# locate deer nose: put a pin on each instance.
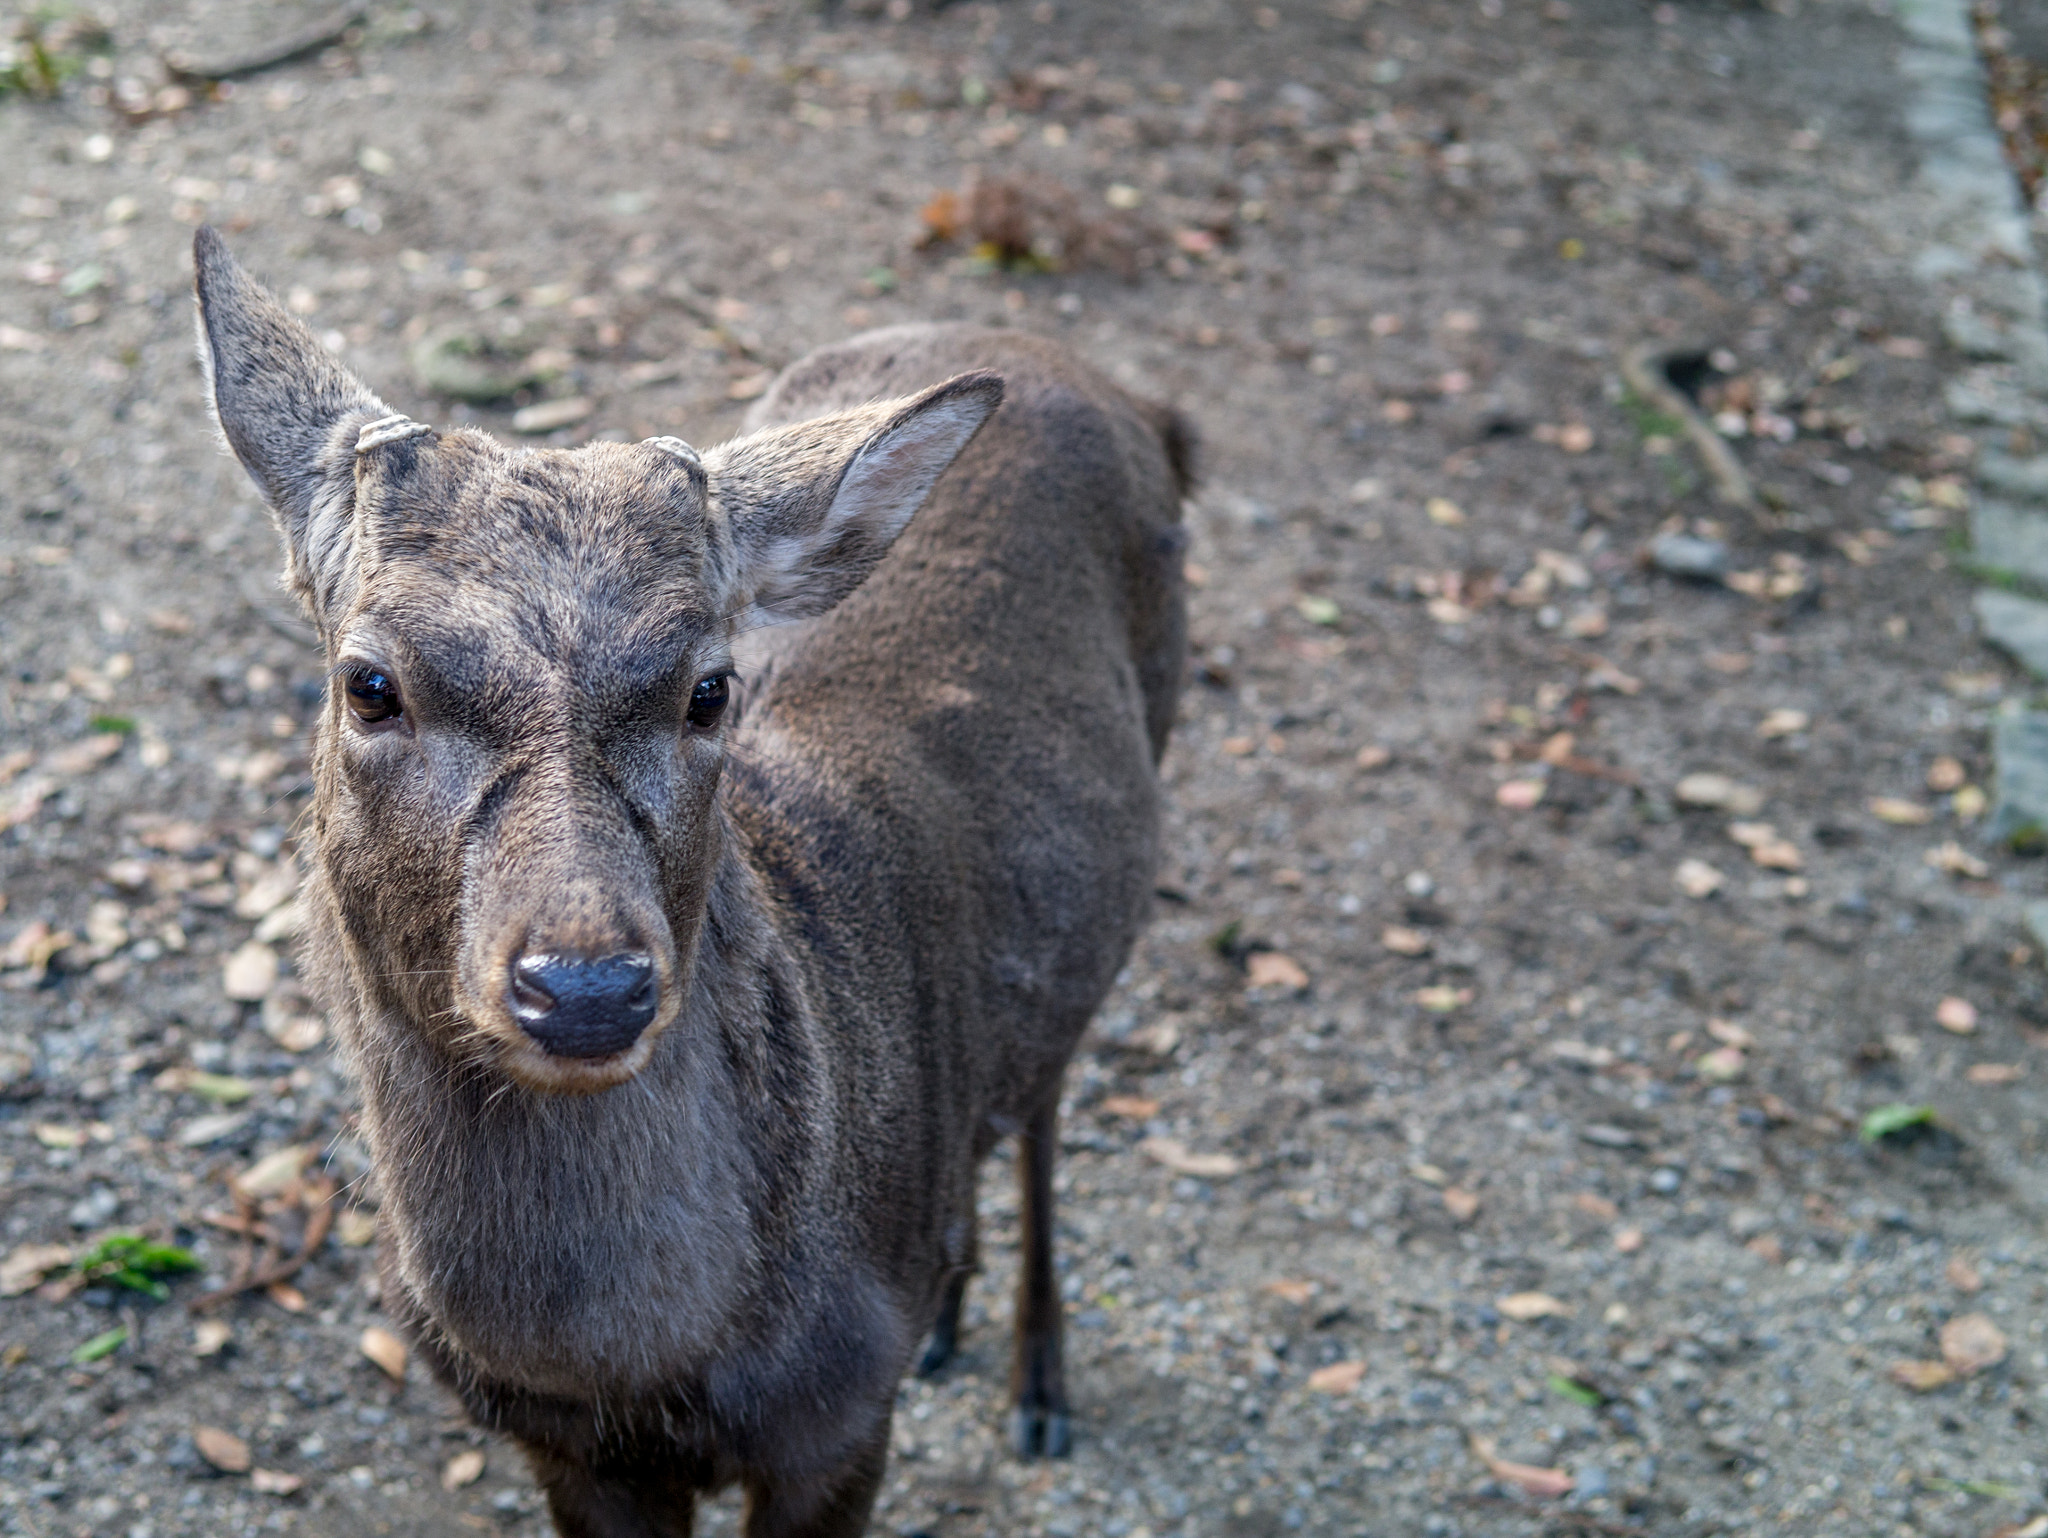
(584, 1007)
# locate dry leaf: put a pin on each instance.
(1729, 1034)
(1461, 1204)
(276, 1482)
(1337, 1378)
(1957, 861)
(386, 1350)
(1963, 1276)
(1587, 1056)
(81, 756)
(1272, 969)
(274, 1171)
(1970, 1343)
(942, 216)
(36, 945)
(1524, 1306)
(286, 1297)
(1996, 1073)
(296, 1030)
(250, 972)
(1722, 1065)
(1589, 624)
(1922, 1377)
(465, 1468)
(1536, 1481)
(267, 893)
(1136, 1107)
(354, 1227)
(1776, 854)
(1159, 1038)
(1957, 1015)
(1291, 1290)
(1403, 941)
(1899, 811)
(28, 1264)
(1176, 1156)
(1697, 879)
(223, 1449)
(1443, 998)
(1783, 723)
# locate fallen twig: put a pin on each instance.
(249, 1277)
(236, 1224)
(1642, 369)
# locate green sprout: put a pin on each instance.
(1890, 1120)
(131, 1261)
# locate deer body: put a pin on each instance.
(680, 1035)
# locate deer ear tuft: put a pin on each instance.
(675, 448)
(374, 435)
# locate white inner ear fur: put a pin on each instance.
(892, 475)
(887, 482)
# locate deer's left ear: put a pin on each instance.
(811, 508)
(294, 416)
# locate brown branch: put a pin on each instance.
(320, 1204)
(1642, 369)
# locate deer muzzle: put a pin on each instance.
(583, 1007)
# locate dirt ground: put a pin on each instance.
(1436, 1121)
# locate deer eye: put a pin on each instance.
(708, 701)
(372, 696)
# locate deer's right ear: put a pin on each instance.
(291, 414)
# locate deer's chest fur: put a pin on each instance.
(661, 1254)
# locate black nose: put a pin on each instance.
(583, 1008)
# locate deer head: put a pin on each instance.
(530, 656)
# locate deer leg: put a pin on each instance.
(589, 1503)
(833, 1506)
(1038, 1384)
(945, 1336)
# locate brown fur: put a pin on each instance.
(882, 900)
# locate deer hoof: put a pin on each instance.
(938, 1351)
(1036, 1432)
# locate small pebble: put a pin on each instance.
(1685, 555)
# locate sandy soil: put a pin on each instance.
(1563, 1159)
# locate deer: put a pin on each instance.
(711, 857)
